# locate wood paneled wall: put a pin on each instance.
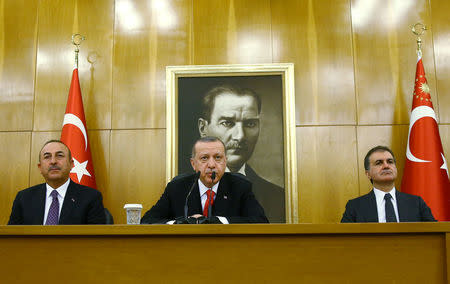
(354, 73)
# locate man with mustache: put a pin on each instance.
(384, 203)
(58, 201)
(227, 196)
(233, 115)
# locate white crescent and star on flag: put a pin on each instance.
(417, 114)
(70, 118)
(79, 168)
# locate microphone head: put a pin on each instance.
(213, 175)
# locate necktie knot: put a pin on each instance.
(54, 194)
(210, 193)
(387, 196)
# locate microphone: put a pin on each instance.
(196, 177)
(213, 177)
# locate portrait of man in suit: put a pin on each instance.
(233, 114)
(246, 113)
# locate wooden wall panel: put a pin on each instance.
(385, 58)
(444, 131)
(393, 136)
(149, 35)
(100, 149)
(316, 36)
(230, 32)
(58, 20)
(15, 161)
(18, 32)
(327, 172)
(137, 172)
(440, 27)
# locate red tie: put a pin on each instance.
(210, 199)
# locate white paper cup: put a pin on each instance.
(133, 213)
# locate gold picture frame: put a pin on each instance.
(275, 150)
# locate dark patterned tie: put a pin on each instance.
(210, 199)
(389, 208)
(53, 212)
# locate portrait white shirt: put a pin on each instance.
(49, 199)
(379, 196)
(241, 170)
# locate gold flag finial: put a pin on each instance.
(76, 40)
(419, 29)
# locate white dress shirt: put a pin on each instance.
(49, 199)
(379, 196)
(203, 197)
(203, 189)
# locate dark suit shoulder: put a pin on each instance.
(407, 196)
(83, 188)
(261, 182)
(237, 178)
(362, 198)
(32, 189)
(412, 208)
(183, 176)
(180, 181)
(361, 209)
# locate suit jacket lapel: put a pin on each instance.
(38, 204)
(402, 207)
(372, 207)
(220, 205)
(69, 202)
(194, 202)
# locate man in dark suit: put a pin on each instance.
(384, 203)
(232, 114)
(227, 196)
(58, 201)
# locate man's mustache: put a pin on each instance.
(54, 168)
(237, 145)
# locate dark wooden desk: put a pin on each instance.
(303, 253)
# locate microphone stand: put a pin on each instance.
(196, 177)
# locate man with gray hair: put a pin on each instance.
(233, 115)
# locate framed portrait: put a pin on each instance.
(251, 108)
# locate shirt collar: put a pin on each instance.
(61, 190)
(241, 170)
(203, 187)
(379, 194)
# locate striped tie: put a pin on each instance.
(53, 212)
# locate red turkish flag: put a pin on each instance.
(74, 135)
(426, 171)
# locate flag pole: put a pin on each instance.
(77, 39)
(419, 29)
